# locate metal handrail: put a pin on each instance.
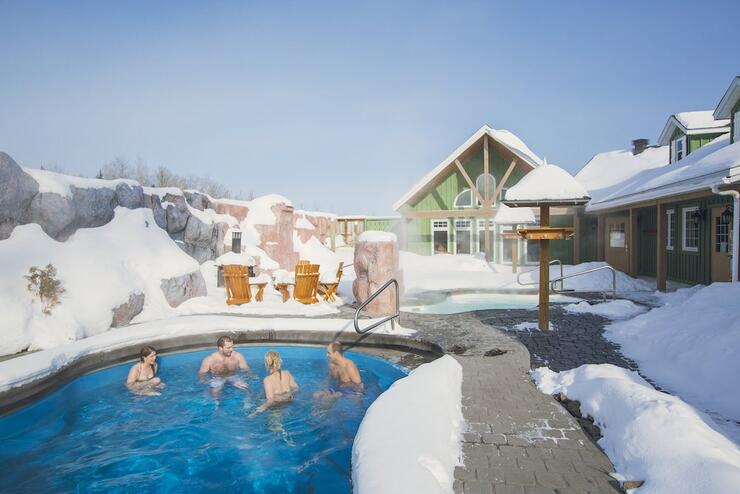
(370, 299)
(572, 275)
(554, 261)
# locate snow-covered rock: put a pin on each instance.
(376, 262)
(124, 313)
(178, 289)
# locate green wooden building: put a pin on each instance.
(453, 208)
(669, 211)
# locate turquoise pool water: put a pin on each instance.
(95, 436)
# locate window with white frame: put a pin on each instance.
(736, 127)
(440, 236)
(690, 230)
(670, 221)
(464, 199)
(502, 194)
(463, 236)
(678, 148)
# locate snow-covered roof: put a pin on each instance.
(609, 169)
(731, 96)
(514, 216)
(699, 170)
(692, 122)
(547, 184)
(504, 137)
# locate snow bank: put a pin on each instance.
(649, 435)
(30, 366)
(547, 183)
(596, 281)
(691, 346)
(59, 183)
(614, 309)
(462, 271)
(234, 258)
(99, 268)
(410, 438)
(318, 253)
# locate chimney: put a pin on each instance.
(639, 145)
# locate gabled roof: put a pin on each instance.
(507, 139)
(705, 167)
(692, 122)
(732, 95)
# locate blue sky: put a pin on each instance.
(343, 106)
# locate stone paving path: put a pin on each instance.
(519, 439)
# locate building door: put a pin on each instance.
(721, 248)
(616, 243)
(463, 236)
(440, 236)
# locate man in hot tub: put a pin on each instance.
(343, 373)
(223, 365)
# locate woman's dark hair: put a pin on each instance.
(146, 351)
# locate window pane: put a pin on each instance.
(462, 241)
(440, 242)
(533, 250)
(616, 235)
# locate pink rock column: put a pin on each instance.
(376, 262)
(277, 240)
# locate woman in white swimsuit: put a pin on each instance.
(142, 378)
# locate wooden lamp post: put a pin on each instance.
(545, 187)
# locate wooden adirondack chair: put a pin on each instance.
(329, 290)
(236, 281)
(306, 283)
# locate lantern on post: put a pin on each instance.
(544, 187)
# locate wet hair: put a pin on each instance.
(273, 361)
(146, 351)
(223, 340)
(336, 346)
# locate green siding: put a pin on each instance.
(562, 249)
(442, 197)
(697, 141)
(588, 233)
(647, 241)
(735, 110)
(693, 267)
(383, 224)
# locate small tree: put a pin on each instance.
(44, 285)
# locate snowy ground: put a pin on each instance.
(691, 347)
(649, 435)
(451, 272)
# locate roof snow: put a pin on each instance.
(547, 183)
(513, 216)
(506, 138)
(692, 122)
(605, 170)
(699, 170)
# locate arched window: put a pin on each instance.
(464, 199)
(480, 184)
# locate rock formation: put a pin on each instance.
(376, 262)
